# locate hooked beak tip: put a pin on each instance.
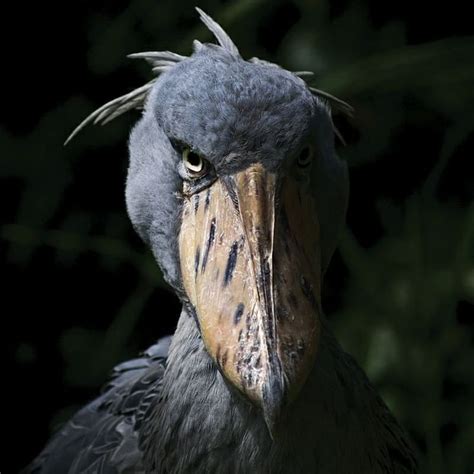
(273, 402)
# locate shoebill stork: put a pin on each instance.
(235, 186)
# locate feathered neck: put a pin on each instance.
(338, 423)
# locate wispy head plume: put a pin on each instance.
(162, 61)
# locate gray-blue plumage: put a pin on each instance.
(175, 411)
(103, 436)
(191, 421)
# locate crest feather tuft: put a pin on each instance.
(221, 36)
(162, 61)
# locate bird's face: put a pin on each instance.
(221, 185)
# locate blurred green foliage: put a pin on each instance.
(398, 310)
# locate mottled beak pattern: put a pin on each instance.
(250, 261)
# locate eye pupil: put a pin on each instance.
(304, 154)
(305, 157)
(194, 159)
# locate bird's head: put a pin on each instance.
(234, 184)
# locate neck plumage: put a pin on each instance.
(337, 424)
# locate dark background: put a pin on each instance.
(80, 292)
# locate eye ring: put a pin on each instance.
(305, 157)
(194, 163)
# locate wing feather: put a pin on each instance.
(103, 437)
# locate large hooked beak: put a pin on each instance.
(251, 269)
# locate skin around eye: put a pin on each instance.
(306, 156)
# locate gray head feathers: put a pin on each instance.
(162, 61)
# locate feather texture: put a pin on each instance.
(178, 416)
(103, 437)
(113, 109)
(221, 36)
(163, 61)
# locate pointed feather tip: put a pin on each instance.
(206, 19)
(70, 137)
(219, 33)
(202, 13)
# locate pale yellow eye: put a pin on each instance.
(193, 162)
(306, 156)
